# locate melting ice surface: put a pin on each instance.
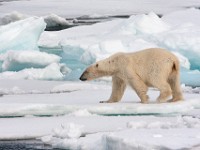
(75, 48)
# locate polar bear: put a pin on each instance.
(154, 67)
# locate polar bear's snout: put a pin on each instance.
(89, 74)
(84, 76)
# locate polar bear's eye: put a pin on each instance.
(97, 65)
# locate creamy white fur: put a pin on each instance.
(153, 67)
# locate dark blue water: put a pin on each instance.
(25, 145)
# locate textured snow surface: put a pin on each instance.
(50, 72)
(68, 115)
(72, 8)
(77, 119)
(18, 60)
(81, 46)
(50, 19)
(21, 35)
(55, 104)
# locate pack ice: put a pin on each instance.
(81, 46)
(69, 115)
(20, 56)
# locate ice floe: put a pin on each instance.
(81, 46)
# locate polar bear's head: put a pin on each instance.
(106, 67)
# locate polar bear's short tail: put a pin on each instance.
(174, 81)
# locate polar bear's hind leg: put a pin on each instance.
(174, 82)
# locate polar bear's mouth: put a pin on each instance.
(82, 78)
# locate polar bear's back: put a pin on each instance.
(153, 53)
(152, 63)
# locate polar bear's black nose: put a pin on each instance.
(83, 78)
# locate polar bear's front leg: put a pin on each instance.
(118, 88)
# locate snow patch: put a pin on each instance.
(177, 18)
(69, 131)
(152, 139)
(150, 136)
(50, 72)
(53, 20)
(81, 46)
(138, 32)
(65, 137)
(103, 109)
(18, 60)
(188, 89)
(21, 35)
(12, 17)
(14, 90)
(81, 113)
(182, 122)
(69, 87)
(144, 24)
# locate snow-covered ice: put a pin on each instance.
(18, 60)
(74, 8)
(81, 46)
(21, 35)
(12, 17)
(67, 114)
(55, 20)
(51, 20)
(77, 122)
(129, 35)
(50, 72)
